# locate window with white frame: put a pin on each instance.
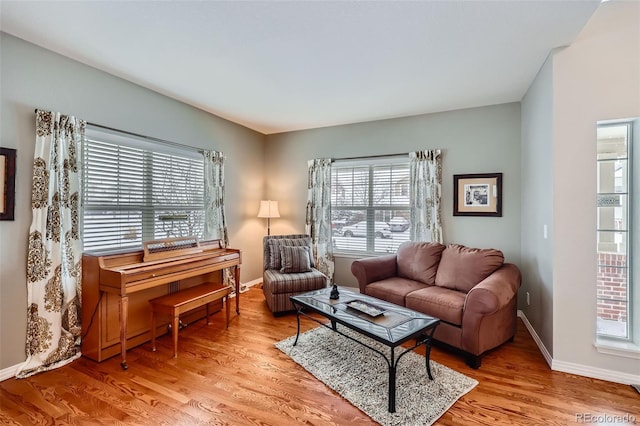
(616, 217)
(136, 189)
(370, 204)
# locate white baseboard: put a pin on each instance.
(252, 283)
(596, 373)
(536, 338)
(578, 369)
(9, 372)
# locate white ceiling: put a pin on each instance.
(290, 65)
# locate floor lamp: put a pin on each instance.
(268, 209)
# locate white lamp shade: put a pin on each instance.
(268, 208)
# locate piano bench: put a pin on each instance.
(185, 300)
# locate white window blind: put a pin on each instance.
(370, 204)
(134, 190)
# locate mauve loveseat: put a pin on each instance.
(471, 290)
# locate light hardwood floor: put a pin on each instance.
(238, 377)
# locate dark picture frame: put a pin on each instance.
(477, 194)
(7, 183)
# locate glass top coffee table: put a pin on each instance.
(384, 322)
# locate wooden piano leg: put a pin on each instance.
(124, 316)
(153, 330)
(226, 306)
(174, 332)
(236, 270)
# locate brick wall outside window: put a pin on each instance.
(612, 287)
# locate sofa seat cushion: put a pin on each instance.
(438, 302)
(277, 282)
(461, 268)
(393, 289)
(419, 261)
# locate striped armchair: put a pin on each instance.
(289, 269)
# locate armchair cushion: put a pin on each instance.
(461, 268)
(295, 259)
(274, 260)
(275, 282)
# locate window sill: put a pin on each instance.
(361, 255)
(358, 255)
(614, 347)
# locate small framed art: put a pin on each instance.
(477, 194)
(7, 183)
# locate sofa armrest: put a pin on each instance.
(374, 269)
(489, 315)
(495, 291)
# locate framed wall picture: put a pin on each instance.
(477, 194)
(7, 183)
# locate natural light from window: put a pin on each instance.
(136, 190)
(370, 205)
(613, 225)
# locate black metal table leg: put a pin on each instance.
(298, 331)
(428, 362)
(427, 355)
(392, 384)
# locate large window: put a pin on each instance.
(370, 205)
(135, 189)
(614, 229)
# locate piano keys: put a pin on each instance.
(116, 289)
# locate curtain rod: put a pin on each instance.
(164, 141)
(371, 156)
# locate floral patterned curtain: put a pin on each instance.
(318, 221)
(215, 222)
(54, 273)
(425, 195)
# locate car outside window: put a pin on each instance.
(370, 205)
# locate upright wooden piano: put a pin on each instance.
(116, 289)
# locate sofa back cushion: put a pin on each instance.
(418, 261)
(461, 268)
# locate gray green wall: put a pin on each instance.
(477, 140)
(537, 205)
(32, 77)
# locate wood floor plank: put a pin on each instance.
(236, 376)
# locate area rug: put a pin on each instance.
(361, 376)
